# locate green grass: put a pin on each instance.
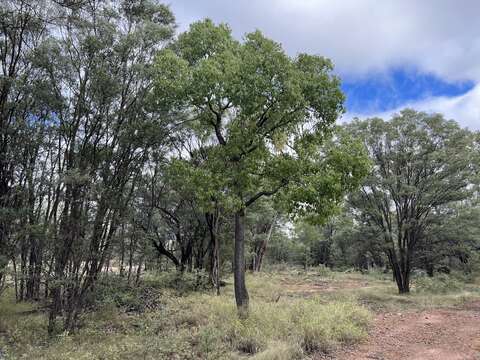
(158, 320)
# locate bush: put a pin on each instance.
(147, 294)
(321, 327)
(195, 326)
(440, 284)
(323, 271)
(117, 291)
(280, 351)
(306, 324)
(182, 282)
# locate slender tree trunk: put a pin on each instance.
(430, 268)
(140, 262)
(122, 252)
(213, 223)
(263, 247)
(216, 265)
(23, 270)
(241, 294)
(130, 256)
(139, 270)
(15, 278)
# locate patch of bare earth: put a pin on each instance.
(443, 334)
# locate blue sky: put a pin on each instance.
(390, 54)
(396, 87)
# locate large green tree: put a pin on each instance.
(421, 163)
(263, 118)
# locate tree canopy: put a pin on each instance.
(265, 121)
(421, 163)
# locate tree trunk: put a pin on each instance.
(122, 253)
(430, 269)
(241, 294)
(213, 224)
(258, 260)
(216, 265)
(401, 271)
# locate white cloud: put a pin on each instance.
(464, 109)
(441, 37)
(437, 36)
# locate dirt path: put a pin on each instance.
(444, 334)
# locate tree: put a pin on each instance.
(24, 113)
(264, 117)
(452, 239)
(421, 162)
(95, 66)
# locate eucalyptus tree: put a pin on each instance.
(265, 116)
(98, 61)
(452, 239)
(421, 163)
(24, 112)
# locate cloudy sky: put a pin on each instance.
(390, 54)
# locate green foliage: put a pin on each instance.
(439, 284)
(260, 117)
(118, 292)
(182, 282)
(147, 294)
(422, 164)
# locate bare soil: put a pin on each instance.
(440, 334)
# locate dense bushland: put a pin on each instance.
(140, 169)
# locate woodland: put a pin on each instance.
(192, 195)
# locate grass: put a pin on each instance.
(291, 317)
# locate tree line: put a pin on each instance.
(125, 148)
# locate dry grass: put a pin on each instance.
(283, 323)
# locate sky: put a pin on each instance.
(390, 54)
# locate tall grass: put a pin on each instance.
(188, 324)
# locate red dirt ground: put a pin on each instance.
(442, 334)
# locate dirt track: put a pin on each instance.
(446, 334)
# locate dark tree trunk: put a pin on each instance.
(162, 250)
(401, 271)
(216, 265)
(241, 294)
(430, 269)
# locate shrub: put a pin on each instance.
(147, 294)
(182, 282)
(277, 350)
(117, 291)
(440, 284)
(306, 324)
(321, 326)
(323, 271)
